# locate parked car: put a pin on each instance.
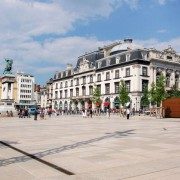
(32, 111)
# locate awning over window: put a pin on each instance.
(106, 104)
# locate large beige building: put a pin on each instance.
(137, 66)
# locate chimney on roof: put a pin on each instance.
(128, 40)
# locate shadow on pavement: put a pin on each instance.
(39, 155)
(7, 142)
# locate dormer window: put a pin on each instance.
(169, 57)
(99, 64)
(117, 60)
(108, 62)
(127, 57)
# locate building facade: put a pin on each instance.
(137, 66)
(37, 94)
(25, 90)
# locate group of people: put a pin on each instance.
(23, 112)
(97, 112)
(9, 114)
(42, 113)
(87, 112)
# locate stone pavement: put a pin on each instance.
(100, 148)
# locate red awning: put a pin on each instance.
(106, 104)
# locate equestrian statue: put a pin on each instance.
(8, 68)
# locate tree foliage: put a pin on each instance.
(123, 93)
(96, 96)
(158, 92)
(152, 94)
(145, 98)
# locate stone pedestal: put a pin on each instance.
(7, 105)
(7, 101)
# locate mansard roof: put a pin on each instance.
(91, 57)
(115, 54)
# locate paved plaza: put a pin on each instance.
(101, 148)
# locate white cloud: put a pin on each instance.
(36, 18)
(34, 57)
(22, 20)
(160, 45)
(31, 18)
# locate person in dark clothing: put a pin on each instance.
(35, 114)
(90, 112)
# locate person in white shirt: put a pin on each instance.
(127, 113)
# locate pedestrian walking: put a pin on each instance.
(35, 114)
(127, 113)
(133, 111)
(83, 113)
(108, 112)
(90, 112)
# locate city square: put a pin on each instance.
(89, 90)
(142, 147)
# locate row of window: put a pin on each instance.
(25, 91)
(107, 89)
(26, 80)
(26, 86)
(24, 101)
(91, 80)
(168, 79)
(25, 96)
(121, 59)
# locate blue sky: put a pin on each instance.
(42, 36)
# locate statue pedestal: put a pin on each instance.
(7, 101)
(7, 105)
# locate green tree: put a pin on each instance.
(96, 96)
(123, 93)
(145, 98)
(160, 90)
(152, 94)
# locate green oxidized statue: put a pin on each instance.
(8, 67)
